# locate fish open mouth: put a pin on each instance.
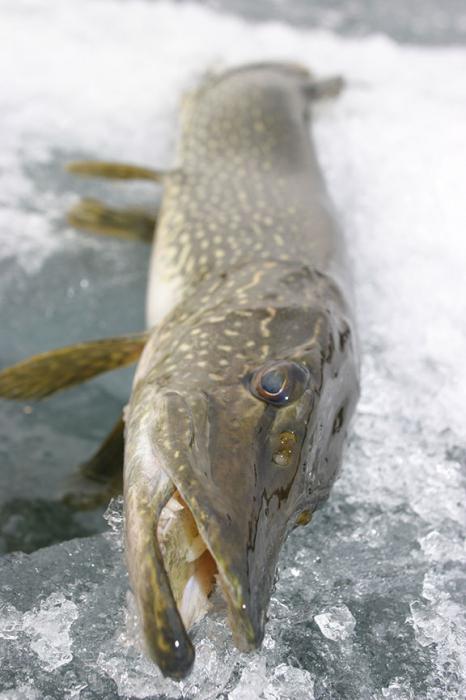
(190, 566)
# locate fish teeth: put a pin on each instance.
(174, 505)
(193, 605)
(196, 548)
(168, 515)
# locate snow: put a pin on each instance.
(384, 561)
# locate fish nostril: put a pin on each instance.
(287, 442)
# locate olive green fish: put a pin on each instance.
(248, 375)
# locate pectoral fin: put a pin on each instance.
(114, 171)
(44, 374)
(92, 215)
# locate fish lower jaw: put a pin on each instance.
(191, 569)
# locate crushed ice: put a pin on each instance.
(336, 622)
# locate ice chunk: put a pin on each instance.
(440, 548)
(429, 627)
(289, 683)
(336, 623)
(439, 617)
(10, 622)
(398, 690)
(49, 630)
(283, 682)
(251, 683)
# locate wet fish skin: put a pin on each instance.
(249, 268)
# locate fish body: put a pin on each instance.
(244, 391)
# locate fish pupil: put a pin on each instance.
(273, 381)
(278, 383)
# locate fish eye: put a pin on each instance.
(279, 383)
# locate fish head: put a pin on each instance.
(245, 421)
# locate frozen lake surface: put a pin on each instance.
(371, 600)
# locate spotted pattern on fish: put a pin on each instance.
(248, 270)
(231, 200)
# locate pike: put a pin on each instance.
(249, 373)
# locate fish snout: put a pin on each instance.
(220, 494)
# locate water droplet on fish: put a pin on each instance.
(282, 458)
(287, 442)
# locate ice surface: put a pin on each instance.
(390, 545)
